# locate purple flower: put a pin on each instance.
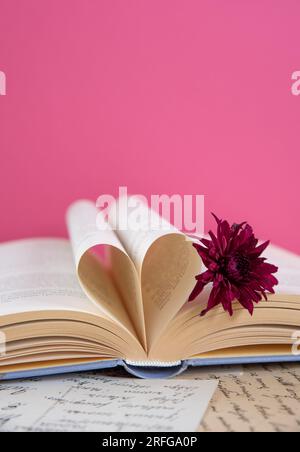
(235, 268)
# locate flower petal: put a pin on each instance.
(202, 280)
(256, 252)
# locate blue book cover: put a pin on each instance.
(146, 371)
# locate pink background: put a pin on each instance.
(173, 96)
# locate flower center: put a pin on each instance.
(237, 267)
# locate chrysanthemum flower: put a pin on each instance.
(234, 266)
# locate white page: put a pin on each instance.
(138, 227)
(82, 217)
(91, 402)
(39, 274)
(288, 265)
(282, 257)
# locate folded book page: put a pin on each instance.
(165, 260)
(117, 294)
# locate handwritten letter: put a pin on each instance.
(103, 404)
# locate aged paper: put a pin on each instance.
(257, 398)
(248, 399)
(92, 402)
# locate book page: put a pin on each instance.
(165, 259)
(273, 321)
(40, 296)
(92, 402)
(115, 288)
(138, 227)
(39, 274)
(288, 265)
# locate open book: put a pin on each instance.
(114, 296)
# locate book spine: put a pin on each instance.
(153, 363)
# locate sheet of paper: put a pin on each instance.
(91, 402)
(260, 398)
